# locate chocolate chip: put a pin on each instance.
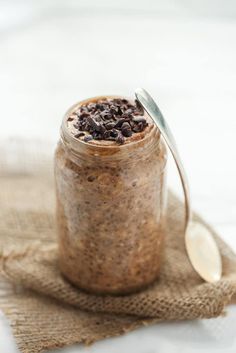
(99, 106)
(114, 133)
(97, 117)
(119, 122)
(88, 138)
(102, 129)
(132, 124)
(126, 117)
(139, 127)
(129, 111)
(70, 118)
(126, 129)
(110, 125)
(114, 109)
(127, 132)
(136, 128)
(120, 138)
(93, 123)
(130, 106)
(139, 119)
(106, 115)
(84, 115)
(80, 134)
(107, 134)
(125, 125)
(96, 135)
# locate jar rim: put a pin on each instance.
(68, 139)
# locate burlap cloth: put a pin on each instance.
(45, 311)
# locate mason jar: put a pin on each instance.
(110, 210)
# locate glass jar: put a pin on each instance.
(110, 211)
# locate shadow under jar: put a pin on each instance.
(110, 209)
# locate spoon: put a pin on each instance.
(201, 247)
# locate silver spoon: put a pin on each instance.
(201, 247)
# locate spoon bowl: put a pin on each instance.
(203, 252)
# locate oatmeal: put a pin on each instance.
(110, 183)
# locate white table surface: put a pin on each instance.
(54, 55)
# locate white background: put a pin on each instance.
(54, 53)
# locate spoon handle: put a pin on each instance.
(152, 109)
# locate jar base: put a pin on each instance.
(116, 291)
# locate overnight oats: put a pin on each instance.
(110, 170)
